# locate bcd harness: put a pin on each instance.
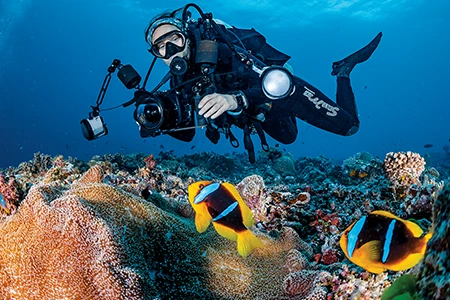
(248, 120)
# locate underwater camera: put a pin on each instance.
(156, 113)
(161, 112)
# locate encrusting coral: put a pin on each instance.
(95, 241)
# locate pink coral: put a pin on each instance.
(10, 194)
(150, 162)
(326, 222)
(252, 189)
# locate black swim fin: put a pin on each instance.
(343, 67)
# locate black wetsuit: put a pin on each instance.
(307, 102)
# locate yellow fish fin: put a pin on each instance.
(247, 214)
(385, 214)
(407, 263)
(428, 236)
(368, 257)
(246, 242)
(415, 229)
(375, 268)
(195, 188)
(202, 221)
(423, 241)
(225, 231)
(371, 251)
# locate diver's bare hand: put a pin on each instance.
(213, 105)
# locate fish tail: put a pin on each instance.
(425, 239)
(246, 242)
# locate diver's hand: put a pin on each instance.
(213, 105)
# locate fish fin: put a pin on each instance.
(202, 221)
(416, 230)
(202, 215)
(246, 242)
(385, 214)
(368, 257)
(225, 231)
(201, 209)
(423, 241)
(413, 227)
(407, 263)
(428, 236)
(247, 214)
(371, 250)
(195, 188)
(376, 269)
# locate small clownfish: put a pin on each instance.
(221, 204)
(381, 241)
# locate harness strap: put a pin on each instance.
(248, 144)
(261, 134)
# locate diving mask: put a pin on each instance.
(168, 44)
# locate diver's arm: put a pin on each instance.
(251, 88)
(255, 96)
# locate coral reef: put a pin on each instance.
(40, 163)
(125, 229)
(434, 281)
(95, 241)
(362, 165)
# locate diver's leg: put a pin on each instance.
(311, 105)
(343, 67)
(346, 99)
(314, 107)
(283, 130)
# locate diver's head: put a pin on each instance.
(166, 36)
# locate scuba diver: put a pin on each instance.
(222, 76)
(170, 37)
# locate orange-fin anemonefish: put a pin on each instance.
(381, 241)
(221, 204)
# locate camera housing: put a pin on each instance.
(162, 112)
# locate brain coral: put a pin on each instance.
(95, 241)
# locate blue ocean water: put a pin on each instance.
(55, 54)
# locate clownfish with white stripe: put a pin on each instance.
(382, 241)
(221, 204)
